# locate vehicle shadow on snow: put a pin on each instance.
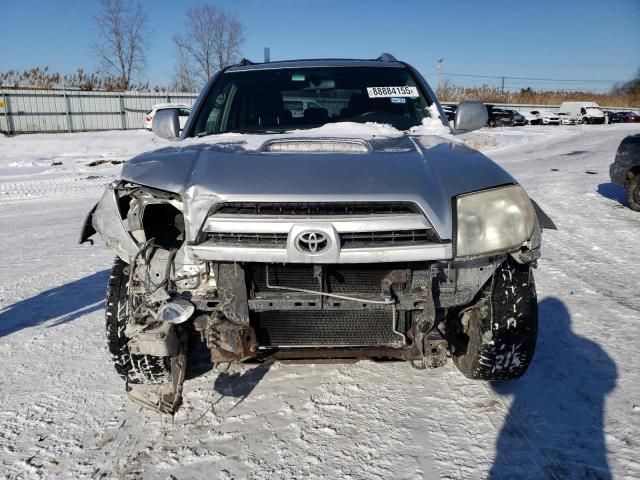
(61, 304)
(613, 192)
(239, 385)
(554, 428)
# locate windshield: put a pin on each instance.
(287, 99)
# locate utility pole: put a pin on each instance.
(502, 89)
(439, 68)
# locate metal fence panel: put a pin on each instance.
(35, 111)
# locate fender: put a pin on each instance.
(543, 219)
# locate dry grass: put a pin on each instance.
(447, 92)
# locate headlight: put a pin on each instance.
(493, 221)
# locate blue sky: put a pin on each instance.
(559, 39)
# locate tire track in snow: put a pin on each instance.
(51, 187)
(120, 446)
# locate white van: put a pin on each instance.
(587, 112)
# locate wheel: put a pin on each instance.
(495, 339)
(132, 368)
(633, 193)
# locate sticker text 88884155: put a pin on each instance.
(384, 92)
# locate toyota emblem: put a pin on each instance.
(312, 241)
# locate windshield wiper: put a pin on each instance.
(259, 132)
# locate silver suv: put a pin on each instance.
(358, 228)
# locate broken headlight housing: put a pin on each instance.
(493, 221)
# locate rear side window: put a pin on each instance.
(286, 99)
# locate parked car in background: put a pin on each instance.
(549, 118)
(450, 111)
(184, 112)
(517, 118)
(587, 112)
(297, 106)
(612, 117)
(625, 169)
(498, 116)
(630, 117)
(567, 118)
(533, 117)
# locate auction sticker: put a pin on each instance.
(385, 92)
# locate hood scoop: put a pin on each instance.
(317, 145)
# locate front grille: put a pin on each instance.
(361, 279)
(324, 328)
(347, 239)
(317, 209)
(228, 239)
(386, 239)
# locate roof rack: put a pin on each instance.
(386, 57)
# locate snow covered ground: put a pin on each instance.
(575, 414)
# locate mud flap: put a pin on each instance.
(166, 397)
(87, 227)
(543, 219)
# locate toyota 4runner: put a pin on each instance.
(357, 228)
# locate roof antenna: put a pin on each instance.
(267, 54)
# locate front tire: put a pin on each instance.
(633, 193)
(496, 338)
(134, 369)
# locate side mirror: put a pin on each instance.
(166, 123)
(470, 116)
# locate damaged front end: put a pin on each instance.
(278, 281)
(145, 228)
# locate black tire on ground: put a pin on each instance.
(132, 368)
(633, 193)
(500, 339)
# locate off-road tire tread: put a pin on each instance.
(634, 187)
(132, 368)
(502, 335)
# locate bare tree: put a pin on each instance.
(122, 51)
(212, 40)
(183, 80)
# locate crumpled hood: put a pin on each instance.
(429, 171)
